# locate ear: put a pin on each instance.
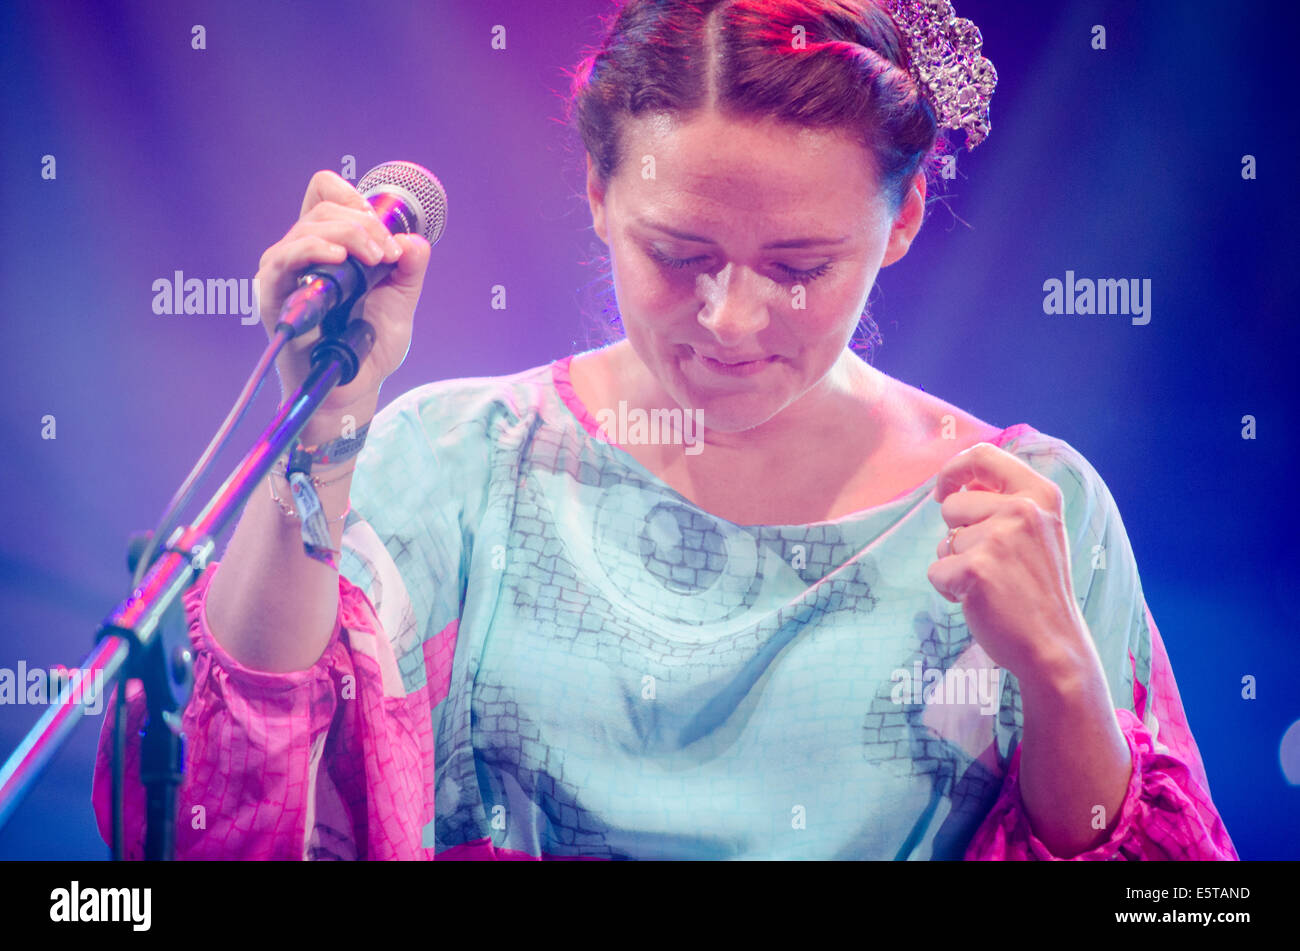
(596, 198)
(908, 222)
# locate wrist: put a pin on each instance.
(338, 431)
(1065, 685)
(333, 495)
(332, 420)
(322, 477)
(1063, 662)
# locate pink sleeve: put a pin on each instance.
(331, 762)
(1167, 812)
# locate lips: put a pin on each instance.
(734, 361)
(732, 366)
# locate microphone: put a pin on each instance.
(409, 199)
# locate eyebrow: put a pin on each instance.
(809, 242)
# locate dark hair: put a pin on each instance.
(826, 64)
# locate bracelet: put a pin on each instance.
(292, 514)
(281, 468)
(331, 453)
(316, 540)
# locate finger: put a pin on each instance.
(974, 505)
(985, 466)
(374, 243)
(413, 261)
(301, 250)
(283, 261)
(950, 578)
(961, 577)
(328, 186)
(968, 537)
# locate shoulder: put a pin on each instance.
(1056, 459)
(444, 436)
(929, 429)
(443, 406)
(1092, 517)
(1087, 499)
(914, 408)
(943, 423)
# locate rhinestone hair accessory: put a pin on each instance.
(944, 59)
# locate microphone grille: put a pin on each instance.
(419, 187)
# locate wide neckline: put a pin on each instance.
(563, 384)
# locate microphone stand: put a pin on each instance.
(146, 636)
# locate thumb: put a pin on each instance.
(410, 267)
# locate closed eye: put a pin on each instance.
(801, 277)
(674, 263)
(793, 275)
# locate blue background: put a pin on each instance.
(1117, 163)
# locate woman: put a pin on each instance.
(720, 589)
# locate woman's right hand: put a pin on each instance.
(336, 221)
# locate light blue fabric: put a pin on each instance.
(636, 678)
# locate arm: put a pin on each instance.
(1166, 811)
(1085, 778)
(1070, 800)
(317, 763)
(337, 758)
(268, 583)
(295, 708)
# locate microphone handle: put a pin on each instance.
(328, 288)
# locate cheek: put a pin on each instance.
(832, 305)
(645, 292)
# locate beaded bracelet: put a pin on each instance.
(281, 467)
(292, 514)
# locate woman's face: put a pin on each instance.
(743, 253)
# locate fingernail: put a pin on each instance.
(394, 247)
(374, 249)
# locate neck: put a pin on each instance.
(845, 407)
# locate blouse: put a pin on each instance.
(543, 651)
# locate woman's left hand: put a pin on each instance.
(1009, 566)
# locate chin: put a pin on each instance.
(733, 414)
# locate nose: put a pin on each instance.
(734, 307)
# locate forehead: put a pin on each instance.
(714, 168)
